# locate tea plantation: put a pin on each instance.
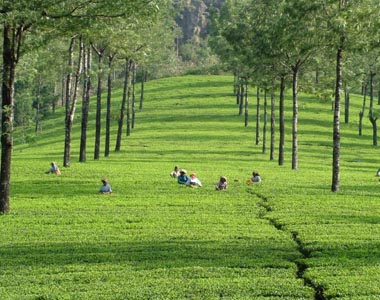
(288, 237)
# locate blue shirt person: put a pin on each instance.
(182, 178)
(106, 187)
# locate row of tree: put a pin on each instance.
(62, 48)
(273, 43)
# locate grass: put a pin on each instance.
(286, 238)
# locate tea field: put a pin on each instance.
(288, 237)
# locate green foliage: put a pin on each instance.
(155, 239)
(269, 38)
(23, 113)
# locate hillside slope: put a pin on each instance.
(286, 238)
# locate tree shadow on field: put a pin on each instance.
(182, 85)
(55, 187)
(265, 253)
(345, 253)
(185, 120)
(198, 96)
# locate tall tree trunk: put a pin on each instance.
(282, 121)
(372, 116)
(108, 113)
(265, 120)
(129, 119)
(361, 113)
(12, 38)
(246, 114)
(295, 118)
(258, 117)
(346, 106)
(272, 120)
(142, 89)
(238, 90)
(87, 60)
(98, 118)
(241, 94)
(123, 104)
(236, 85)
(71, 99)
(68, 117)
(336, 124)
(134, 71)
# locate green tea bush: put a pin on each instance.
(286, 238)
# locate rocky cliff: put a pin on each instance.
(193, 19)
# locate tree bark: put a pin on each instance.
(98, 118)
(123, 104)
(143, 80)
(361, 113)
(336, 123)
(129, 119)
(11, 42)
(85, 104)
(272, 121)
(72, 98)
(238, 90)
(346, 106)
(295, 70)
(68, 123)
(258, 117)
(134, 70)
(108, 113)
(246, 114)
(281, 148)
(241, 98)
(372, 117)
(236, 86)
(265, 120)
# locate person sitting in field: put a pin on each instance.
(175, 172)
(106, 187)
(222, 184)
(255, 178)
(53, 169)
(193, 181)
(182, 178)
